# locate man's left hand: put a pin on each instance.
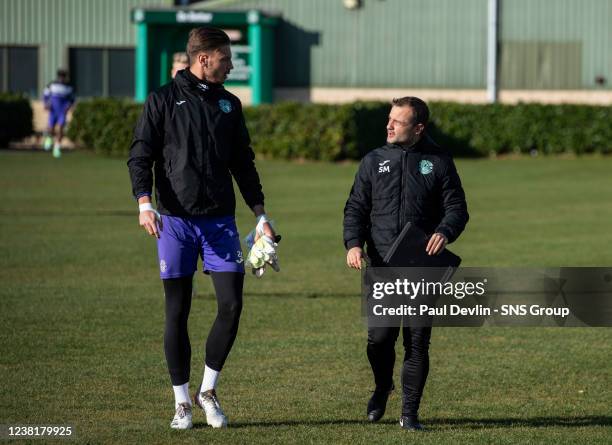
(436, 244)
(263, 227)
(267, 230)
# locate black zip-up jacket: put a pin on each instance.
(396, 185)
(193, 135)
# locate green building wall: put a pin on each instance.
(440, 44)
(55, 25)
(556, 44)
(383, 44)
(543, 44)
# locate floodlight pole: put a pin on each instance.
(492, 34)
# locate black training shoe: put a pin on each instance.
(411, 424)
(378, 404)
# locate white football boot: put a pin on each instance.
(57, 150)
(48, 143)
(209, 403)
(182, 418)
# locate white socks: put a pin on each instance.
(181, 394)
(210, 379)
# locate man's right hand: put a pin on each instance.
(354, 257)
(149, 219)
(150, 222)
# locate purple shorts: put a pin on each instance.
(57, 117)
(183, 239)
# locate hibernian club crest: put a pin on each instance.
(225, 105)
(425, 167)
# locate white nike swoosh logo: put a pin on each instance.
(181, 102)
(383, 163)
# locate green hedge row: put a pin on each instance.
(317, 131)
(104, 125)
(348, 131)
(15, 118)
(498, 129)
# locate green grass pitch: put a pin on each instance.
(82, 313)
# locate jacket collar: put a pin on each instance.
(186, 79)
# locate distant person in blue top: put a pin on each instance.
(58, 98)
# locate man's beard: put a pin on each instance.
(410, 141)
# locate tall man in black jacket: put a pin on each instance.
(408, 180)
(192, 138)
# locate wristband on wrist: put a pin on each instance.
(148, 207)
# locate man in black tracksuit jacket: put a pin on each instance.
(408, 180)
(192, 139)
(195, 148)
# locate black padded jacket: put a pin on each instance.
(395, 185)
(193, 136)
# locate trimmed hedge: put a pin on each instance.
(348, 131)
(317, 131)
(104, 125)
(497, 129)
(15, 118)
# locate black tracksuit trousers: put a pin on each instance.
(381, 354)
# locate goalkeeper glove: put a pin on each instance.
(263, 251)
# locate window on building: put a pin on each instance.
(19, 70)
(102, 71)
(86, 71)
(121, 72)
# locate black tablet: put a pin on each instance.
(408, 250)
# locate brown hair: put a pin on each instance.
(419, 107)
(205, 39)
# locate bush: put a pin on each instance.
(302, 131)
(483, 130)
(15, 118)
(104, 125)
(348, 131)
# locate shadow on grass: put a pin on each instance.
(530, 422)
(289, 294)
(441, 423)
(72, 213)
